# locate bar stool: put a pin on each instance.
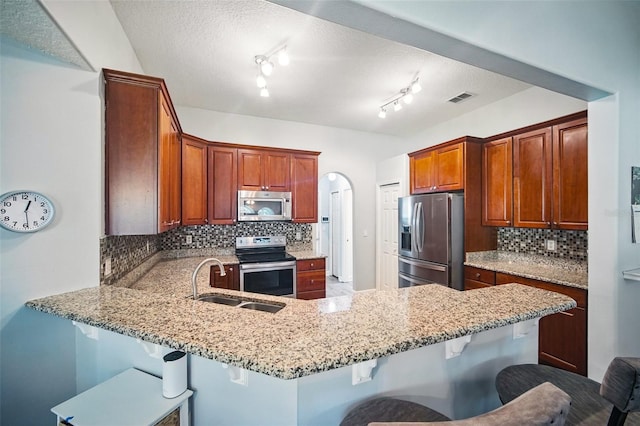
(543, 405)
(591, 402)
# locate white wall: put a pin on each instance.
(595, 44)
(351, 153)
(50, 141)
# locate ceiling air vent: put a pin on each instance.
(461, 97)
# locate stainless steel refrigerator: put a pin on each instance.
(431, 240)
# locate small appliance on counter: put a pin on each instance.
(262, 206)
(431, 239)
(265, 266)
(174, 374)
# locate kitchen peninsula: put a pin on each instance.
(313, 360)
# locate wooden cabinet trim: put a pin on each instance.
(541, 125)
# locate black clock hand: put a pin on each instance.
(28, 204)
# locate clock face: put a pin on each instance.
(25, 211)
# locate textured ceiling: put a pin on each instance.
(337, 76)
(27, 22)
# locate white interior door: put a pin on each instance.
(389, 214)
(347, 236)
(336, 241)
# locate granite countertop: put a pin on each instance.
(305, 337)
(306, 254)
(566, 272)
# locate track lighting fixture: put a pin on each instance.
(265, 67)
(405, 94)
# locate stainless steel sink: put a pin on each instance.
(213, 298)
(260, 306)
(241, 303)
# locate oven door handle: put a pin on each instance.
(266, 266)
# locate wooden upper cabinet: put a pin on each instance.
(497, 194)
(570, 177)
(550, 177)
(142, 156)
(263, 170)
(304, 188)
(437, 169)
(222, 184)
(171, 164)
(532, 174)
(449, 167)
(194, 181)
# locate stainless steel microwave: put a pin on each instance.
(257, 206)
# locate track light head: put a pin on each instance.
(264, 92)
(382, 113)
(283, 57)
(261, 81)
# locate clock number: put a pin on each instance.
(15, 223)
(14, 198)
(6, 218)
(42, 218)
(25, 225)
(25, 196)
(45, 211)
(35, 223)
(3, 211)
(42, 204)
(7, 203)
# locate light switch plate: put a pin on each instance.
(551, 245)
(189, 239)
(107, 267)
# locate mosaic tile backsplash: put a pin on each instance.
(129, 251)
(569, 244)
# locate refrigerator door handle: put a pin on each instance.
(420, 226)
(423, 265)
(414, 235)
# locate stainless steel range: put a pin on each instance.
(265, 266)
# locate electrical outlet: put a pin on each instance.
(551, 245)
(298, 236)
(107, 267)
(189, 239)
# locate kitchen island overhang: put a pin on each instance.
(306, 337)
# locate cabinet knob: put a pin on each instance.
(477, 275)
(230, 269)
(311, 264)
(206, 221)
(508, 222)
(312, 281)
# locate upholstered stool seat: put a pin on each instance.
(591, 402)
(544, 405)
(390, 410)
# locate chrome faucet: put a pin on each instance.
(195, 273)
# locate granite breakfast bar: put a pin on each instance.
(312, 360)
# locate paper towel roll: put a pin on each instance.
(174, 374)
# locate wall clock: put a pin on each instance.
(25, 211)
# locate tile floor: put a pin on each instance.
(336, 288)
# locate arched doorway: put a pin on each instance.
(335, 236)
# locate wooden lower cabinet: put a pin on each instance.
(562, 338)
(478, 278)
(310, 279)
(230, 281)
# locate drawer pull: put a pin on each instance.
(477, 275)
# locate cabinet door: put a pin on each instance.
(250, 170)
(304, 188)
(532, 174)
(131, 156)
(449, 170)
(570, 177)
(230, 281)
(497, 178)
(165, 165)
(222, 185)
(176, 177)
(194, 182)
(421, 169)
(276, 171)
(562, 340)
